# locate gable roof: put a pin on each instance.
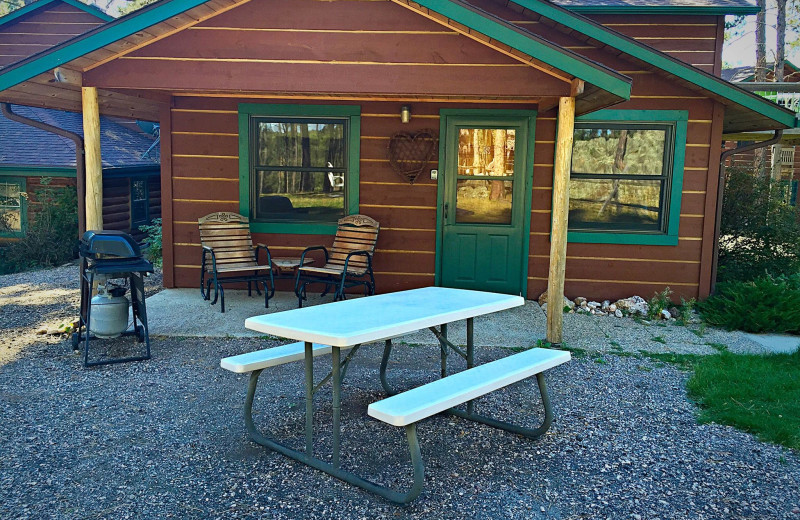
(41, 4)
(709, 7)
(744, 110)
(606, 86)
(122, 147)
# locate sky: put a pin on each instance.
(741, 50)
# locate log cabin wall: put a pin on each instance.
(204, 164)
(292, 52)
(603, 271)
(42, 29)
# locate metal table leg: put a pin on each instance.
(309, 362)
(337, 404)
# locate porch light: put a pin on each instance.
(405, 114)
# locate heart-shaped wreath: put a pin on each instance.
(409, 154)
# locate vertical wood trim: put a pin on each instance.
(94, 163)
(720, 41)
(167, 230)
(712, 187)
(558, 234)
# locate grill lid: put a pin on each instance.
(109, 244)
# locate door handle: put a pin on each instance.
(446, 205)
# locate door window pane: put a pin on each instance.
(486, 151)
(483, 201)
(609, 203)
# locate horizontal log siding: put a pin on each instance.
(204, 182)
(41, 30)
(696, 40)
(615, 271)
(342, 46)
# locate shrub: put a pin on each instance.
(154, 248)
(51, 238)
(660, 301)
(766, 304)
(760, 229)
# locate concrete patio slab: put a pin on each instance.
(777, 343)
(183, 313)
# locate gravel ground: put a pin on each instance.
(165, 438)
(43, 298)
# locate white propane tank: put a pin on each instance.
(109, 315)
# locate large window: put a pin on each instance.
(302, 166)
(626, 177)
(12, 206)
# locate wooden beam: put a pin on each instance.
(94, 164)
(560, 213)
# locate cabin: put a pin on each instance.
(31, 155)
(514, 146)
(31, 158)
(786, 168)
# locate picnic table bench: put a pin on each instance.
(331, 328)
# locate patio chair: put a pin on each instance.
(348, 263)
(229, 257)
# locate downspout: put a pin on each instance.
(721, 190)
(80, 170)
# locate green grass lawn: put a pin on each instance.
(757, 394)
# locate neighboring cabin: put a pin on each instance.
(28, 155)
(790, 158)
(286, 117)
(131, 186)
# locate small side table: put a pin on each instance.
(285, 268)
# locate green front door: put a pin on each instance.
(485, 207)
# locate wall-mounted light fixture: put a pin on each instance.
(405, 114)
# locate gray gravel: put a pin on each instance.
(42, 298)
(165, 438)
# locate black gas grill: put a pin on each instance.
(108, 257)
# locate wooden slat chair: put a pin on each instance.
(229, 256)
(348, 263)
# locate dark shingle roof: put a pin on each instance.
(23, 145)
(648, 4)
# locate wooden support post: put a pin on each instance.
(560, 213)
(94, 164)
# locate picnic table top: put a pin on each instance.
(362, 320)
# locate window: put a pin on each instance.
(140, 202)
(626, 177)
(12, 206)
(300, 173)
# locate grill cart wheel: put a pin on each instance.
(76, 341)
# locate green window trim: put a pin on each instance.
(352, 112)
(23, 207)
(680, 119)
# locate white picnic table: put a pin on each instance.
(346, 325)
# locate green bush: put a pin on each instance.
(154, 248)
(760, 229)
(766, 304)
(52, 236)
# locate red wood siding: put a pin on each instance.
(205, 178)
(42, 29)
(201, 153)
(696, 40)
(342, 46)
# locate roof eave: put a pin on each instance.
(663, 9)
(780, 116)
